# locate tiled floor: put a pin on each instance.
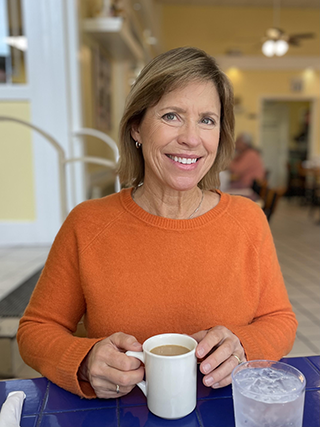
(297, 238)
(17, 263)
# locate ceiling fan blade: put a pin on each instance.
(302, 36)
(295, 39)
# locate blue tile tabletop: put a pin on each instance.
(106, 417)
(60, 400)
(311, 414)
(29, 421)
(308, 369)
(315, 360)
(47, 405)
(35, 390)
(216, 412)
(136, 416)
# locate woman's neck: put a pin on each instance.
(169, 204)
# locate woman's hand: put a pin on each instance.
(106, 366)
(218, 346)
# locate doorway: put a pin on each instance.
(285, 137)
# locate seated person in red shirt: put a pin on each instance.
(247, 164)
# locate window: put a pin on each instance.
(13, 43)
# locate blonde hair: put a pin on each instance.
(169, 71)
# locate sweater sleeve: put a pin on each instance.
(271, 333)
(45, 335)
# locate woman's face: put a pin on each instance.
(180, 136)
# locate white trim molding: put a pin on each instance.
(10, 92)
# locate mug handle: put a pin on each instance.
(139, 355)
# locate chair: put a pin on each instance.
(269, 196)
(271, 199)
(260, 186)
(295, 180)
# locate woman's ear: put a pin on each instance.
(135, 133)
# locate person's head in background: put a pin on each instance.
(167, 72)
(243, 142)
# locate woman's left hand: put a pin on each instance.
(218, 347)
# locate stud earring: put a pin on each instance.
(138, 144)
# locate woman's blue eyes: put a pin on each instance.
(208, 121)
(169, 116)
(173, 116)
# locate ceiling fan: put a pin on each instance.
(276, 41)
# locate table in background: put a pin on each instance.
(48, 405)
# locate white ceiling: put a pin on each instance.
(249, 3)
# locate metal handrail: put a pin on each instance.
(62, 160)
(109, 141)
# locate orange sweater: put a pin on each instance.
(127, 270)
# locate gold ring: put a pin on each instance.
(118, 389)
(237, 357)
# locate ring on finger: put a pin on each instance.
(237, 357)
(118, 389)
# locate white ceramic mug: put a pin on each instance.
(171, 381)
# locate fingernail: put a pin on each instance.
(208, 381)
(216, 385)
(200, 352)
(207, 367)
(136, 344)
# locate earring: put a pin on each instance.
(138, 144)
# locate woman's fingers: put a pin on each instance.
(125, 342)
(221, 376)
(216, 348)
(106, 387)
(125, 379)
(208, 340)
(107, 390)
(111, 373)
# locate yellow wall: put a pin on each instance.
(16, 165)
(251, 86)
(210, 28)
(217, 29)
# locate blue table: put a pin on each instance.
(48, 405)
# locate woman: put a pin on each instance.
(247, 165)
(170, 253)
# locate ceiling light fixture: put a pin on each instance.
(275, 47)
(276, 42)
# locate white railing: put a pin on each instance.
(62, 160)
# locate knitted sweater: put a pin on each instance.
(127, 270)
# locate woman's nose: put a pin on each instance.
(189, 134)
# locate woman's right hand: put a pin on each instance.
(106, 366)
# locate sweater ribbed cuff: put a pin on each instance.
(248, 341)
(67, 370)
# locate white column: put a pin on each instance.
(53, 90)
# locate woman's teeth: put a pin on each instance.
(183, 160)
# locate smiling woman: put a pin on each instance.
(175, 70)
(171, 253)
(179, 142)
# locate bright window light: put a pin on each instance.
(19, 42)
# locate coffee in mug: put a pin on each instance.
(171, 379)
(170, 350)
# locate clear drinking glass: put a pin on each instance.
(268, 394)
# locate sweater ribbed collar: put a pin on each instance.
(161, 222)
